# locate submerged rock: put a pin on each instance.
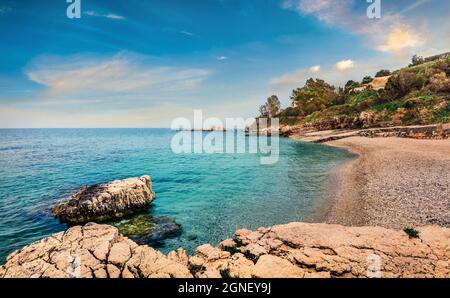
(107, 201)
(146, 229)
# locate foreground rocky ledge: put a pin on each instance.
(295, 250)
(107, 201)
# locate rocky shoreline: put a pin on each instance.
(396, 183)
(295, 250)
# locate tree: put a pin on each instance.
(383, 73)
(273, 105)
(350, 85)
(367, 80)
(316, 95)
(263, 111)
(417, 60)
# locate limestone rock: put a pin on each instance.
(296, 250)
(107, 201)
(227, 243)
(90, 251)
(179, 256)
(269, 266)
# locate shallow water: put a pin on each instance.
(210, 195)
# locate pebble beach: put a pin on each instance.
(394, 183)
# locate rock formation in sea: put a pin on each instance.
(296, 250)
(107, 201)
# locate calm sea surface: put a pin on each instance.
(210, 195)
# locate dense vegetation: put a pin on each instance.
(417, 94)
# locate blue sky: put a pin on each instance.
(143, 63)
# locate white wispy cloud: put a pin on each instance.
(186, 33)
(108, 77)
(221, 58)
(344, 65)
(104, 15)
(314, 69)
(290, 79)
(179, 31)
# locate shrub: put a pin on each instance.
(291, 112)
(443, 65)
(363, 96)
(238, 242)
(411, 233)
(443, 115)
(410, 117)
(403, 83)
(349, 86)
(367, 80)
(225, 273)
(231, 249)
(383, 73)
(439, 82)
(417, 60)
(390, 107)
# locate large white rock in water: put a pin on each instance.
(107, 201)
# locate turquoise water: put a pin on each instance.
(210, 195)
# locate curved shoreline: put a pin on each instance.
(394, 183)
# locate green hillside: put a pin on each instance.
(417, 94)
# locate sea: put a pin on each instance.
(209, 195)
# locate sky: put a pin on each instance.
(130, 63)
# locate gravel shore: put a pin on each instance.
(395, 183)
